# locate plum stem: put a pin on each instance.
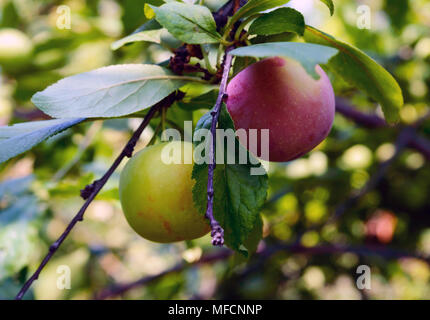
(217, 231)
(90, 192)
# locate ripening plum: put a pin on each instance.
(156, 197)
(279, 95)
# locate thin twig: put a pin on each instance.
(365, 251)
(402, 142)
(405, 136)
(422, 145)
(382, 251)
(91, 191)
(119, 289)
(373, 121)
(217, 231)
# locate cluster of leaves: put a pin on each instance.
(124, 90)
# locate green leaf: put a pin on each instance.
(238, 194)
(205, 101)
(198, 96)
(189, 23)
(279, 21)
(150, 32)
(108, 92)
(251, 243)
(309, 55)
(241, 63)
(280, 37)
(19, 138)
(358, 69)
(253, 7)
(330, 5)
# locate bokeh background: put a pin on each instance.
(39, 191)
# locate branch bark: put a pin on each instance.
(228, 9)
(91, 191)
(217, 231)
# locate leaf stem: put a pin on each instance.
(207, 61)
(243, 25)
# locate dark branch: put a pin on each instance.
(217, 231)
(122, 288)
(405, 136)
(364, 251)
(227, 10)
(403, 140)
(422, 145)
(382, 251)
(90, 192)
(373, 121)
(370, 121)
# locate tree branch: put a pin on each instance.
(403, 140)
(217, 231)
(119, 289)
(91, 191)
(405, 136)
(382, 251)
(364, 251)
(373, 121)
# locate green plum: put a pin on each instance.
(156, 196)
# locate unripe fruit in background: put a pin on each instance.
(16, 49)
(278, 94)
(157, 197)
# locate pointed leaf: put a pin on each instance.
(279, 21)
(330, 5)
(192, 24)
(108, 92)
(253, 7)
(150, 32)
(360, 70)
(21, 137)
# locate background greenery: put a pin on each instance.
(39, 190)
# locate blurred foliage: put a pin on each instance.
(39, 190)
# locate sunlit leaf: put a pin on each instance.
(150, 32)
(253, 7)
(192, 24)
(309, 55)
(108, 92)
(330, 5)
(279, 21)
(360, 70)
